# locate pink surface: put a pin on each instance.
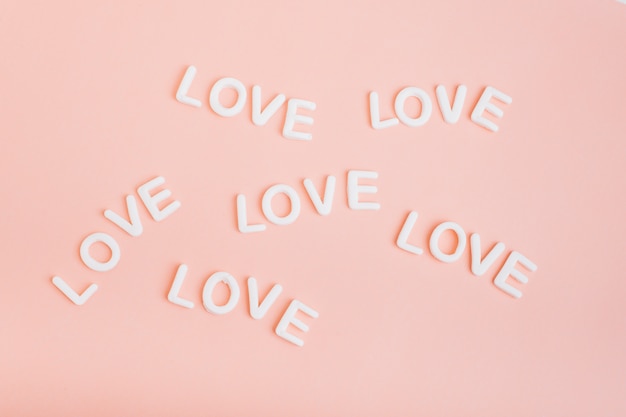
(89, 114)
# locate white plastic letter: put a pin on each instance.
(323, 207)
(209, 286)
(259, 116)
(90, 262)
(289, 317)
(258, 311)
(485, 105)
(172, 296)
(426, 111)
(451, 114)
(375, 114)
(508, 269)
(79, 300)
(354, 189)
(293, 199)
(214, 97)
(183, 88)
(242, 217)
(479, 267)
(152, 201)
(460, 246)
(405, 232)
(292, 118)
(132, 227)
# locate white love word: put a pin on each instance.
(260, 115)
(450, 112)
(257, 309)
(131, 225)
(479, 264)
(323, 205)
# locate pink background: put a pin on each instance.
(89, 114)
